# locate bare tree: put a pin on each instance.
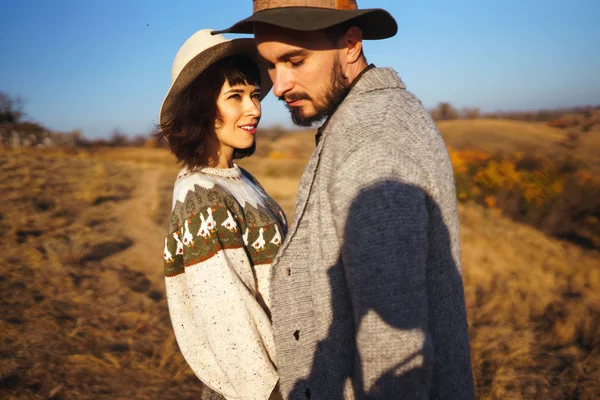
(11, 108)
(138, 140)
(444, 111)
(470, 113)
(118, 138)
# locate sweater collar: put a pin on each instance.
(360, 75)
(370, 78)
(354, 82)
(228, 173)
(377, 79)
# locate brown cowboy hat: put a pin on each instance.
(314, 15)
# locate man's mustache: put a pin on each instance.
(288, 98)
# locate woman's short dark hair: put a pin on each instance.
(191, 119)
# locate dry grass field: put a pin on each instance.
(83, 313)
(533, 305)
(496, 135)
(500, 135)
(83, 309)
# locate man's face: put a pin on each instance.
(306, 70)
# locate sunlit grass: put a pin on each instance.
(77, 325)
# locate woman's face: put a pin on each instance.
(239, 109)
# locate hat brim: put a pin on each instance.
(374, 23)
(197, 65)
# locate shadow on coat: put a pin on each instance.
(398, 311)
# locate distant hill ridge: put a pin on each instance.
(29, 134)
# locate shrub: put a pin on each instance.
(561, 123)
(444, 111)
(560, 197)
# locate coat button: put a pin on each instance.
(287, 272)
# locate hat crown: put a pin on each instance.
(196, 44)
(260, 5)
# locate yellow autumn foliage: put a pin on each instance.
(532, 189)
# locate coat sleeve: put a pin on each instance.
(382, 220)
(222, 331)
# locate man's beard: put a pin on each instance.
(337, 91)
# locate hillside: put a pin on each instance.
(84, 315)
(496, 135)
(533, 306)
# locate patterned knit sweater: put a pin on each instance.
(223, 234)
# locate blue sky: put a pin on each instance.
(98, 65)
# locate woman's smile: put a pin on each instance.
(250, 128)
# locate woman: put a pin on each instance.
(224, 229)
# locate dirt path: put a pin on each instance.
(136, 216)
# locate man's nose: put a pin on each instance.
(282, 81)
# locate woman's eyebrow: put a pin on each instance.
(234, 91)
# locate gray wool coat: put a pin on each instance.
(367, 294)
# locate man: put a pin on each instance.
(367, 295)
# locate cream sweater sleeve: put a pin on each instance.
(222, 331)
(221, 304)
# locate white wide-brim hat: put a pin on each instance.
(200, 51)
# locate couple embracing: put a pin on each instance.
(362, 295)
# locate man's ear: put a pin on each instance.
(353, 41)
